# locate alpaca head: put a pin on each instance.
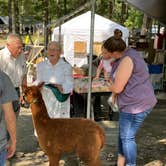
(32, 94)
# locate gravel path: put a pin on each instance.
(151, 142)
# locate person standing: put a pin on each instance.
(134, 92)
(57, 76)
(13, 63)
(7, 118)
(105, 64)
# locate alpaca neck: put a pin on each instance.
(39, 110)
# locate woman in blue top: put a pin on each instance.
(134, 95)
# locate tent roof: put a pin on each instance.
(81, 24)
(154, 8)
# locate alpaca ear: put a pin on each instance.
(24, 86)
(40, 85)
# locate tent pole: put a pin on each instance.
(89, 111)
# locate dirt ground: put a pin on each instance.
(151, 141)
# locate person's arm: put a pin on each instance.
(10, 120)
(98, 72)
(69, 80)
(39, 75)
(122, 75)
(24, 70)
(99, 69)
(24, 83)
(24, 80)
(106, 75)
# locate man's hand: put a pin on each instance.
(10, 120)
(21, 99)
(11, 148)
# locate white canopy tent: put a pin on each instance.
(78, 29)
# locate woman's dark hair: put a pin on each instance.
(118, 32)
(114, 43)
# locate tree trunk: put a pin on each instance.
(10, 15)
(65, 7)
(16, 17)
(123, 12)
(45, 2)
(13, 17)
(111, 7)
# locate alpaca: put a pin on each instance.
(58, 136)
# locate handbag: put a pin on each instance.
(113, 104)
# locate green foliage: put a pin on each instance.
(3, 7)
(102, 7)
(117, 12)
(134, 19)
(32, 11)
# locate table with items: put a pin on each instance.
(100, 93)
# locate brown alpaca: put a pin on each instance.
(58, 136)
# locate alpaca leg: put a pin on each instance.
(54, 160)
(90, 156)
(91, 160)
(96, 162)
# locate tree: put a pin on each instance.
(16, 21)
(45, 17)
(10, 14)
(13, 13)
(111, 6)
(3, 7)
(134, 19)
(65, 7)
(32, 11)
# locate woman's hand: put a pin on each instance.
(96, 78)
(60, 88)
(110, 81)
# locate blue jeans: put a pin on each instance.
(128, 127)
(3, 157)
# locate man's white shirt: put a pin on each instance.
(60, 73)
(15, 68)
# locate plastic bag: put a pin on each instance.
(112, 104)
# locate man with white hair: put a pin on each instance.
(12, 62)
(57, 76)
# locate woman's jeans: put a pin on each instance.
(3, 157)
(128, 127)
